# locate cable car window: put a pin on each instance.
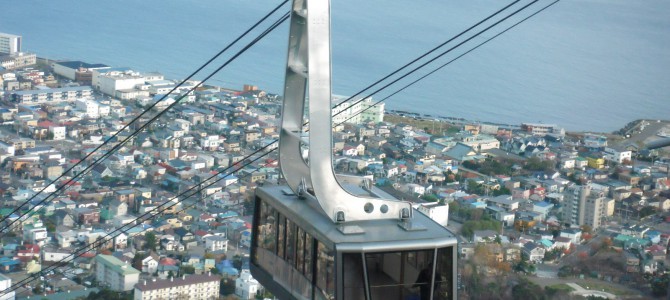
(353, 280)
(309, 252)
(300, 251)
(400, 275)
(290, 243)
(267, 236)
(444, 281)
(281, 231)
(325, 272)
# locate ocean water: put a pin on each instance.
(582, 64)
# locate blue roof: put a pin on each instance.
(56, 90)
(229, 214)
(75, 64)
(543, 204)
(9, 262)
(546, 243)
(226, 267)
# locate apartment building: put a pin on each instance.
(585, 206)
(193, 287)
(356, 111)
(40, 96)
(114, 273)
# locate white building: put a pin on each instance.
(5, 284)
(108, 81)
(69, 69)
(617, 155)
(246, 287)
(35, 233)
(438, 212)
(149, 265)
(56, 255)
(9, 43)
(193, 287)
(115, 274)
(89, 107)
(56, 95)
(59, 132)
(216, 243)
(356, 111)
(210, 142)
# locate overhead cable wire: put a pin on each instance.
(452, 60)
(429, 52)
(120, 144)
(440, 55)
(136, 222)
(268, 145)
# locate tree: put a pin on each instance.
(150, 239)
(137, 260)
(186, 269)
(525, 289)
(237, 262)
(429, 197)
(647, 211)
(659, 285)
(227, 286)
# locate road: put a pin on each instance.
(648, 134)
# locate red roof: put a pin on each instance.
(655, 248)
(34, 248)
(166, 261)
(45, 124)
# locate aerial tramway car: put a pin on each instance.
(327, 236)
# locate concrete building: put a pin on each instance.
(197, 286)
(542, 129)
(116, 274)
(5, 284)
(68, 94)
(246, 287)
(108, 81)
(616, 154)
(18, 60)
(58, 132)
(358, 113)
(89, 107)
(438, 212)
(69, 69)
(216, 243)
(10, 44)
(585, 206)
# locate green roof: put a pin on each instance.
(116, 265)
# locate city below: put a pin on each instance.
(92, 209)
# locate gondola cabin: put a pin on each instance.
(312, 238)
(299, 253)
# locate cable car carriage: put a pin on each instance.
(327, 236)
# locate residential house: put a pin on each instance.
(216, 243)
(150, 263)
(534, 252)
(246, 287)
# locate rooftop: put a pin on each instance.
(116, 265)
(174, 282)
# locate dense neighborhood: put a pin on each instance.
(166, 213)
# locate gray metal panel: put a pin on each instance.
(380, 234)
(309, 67)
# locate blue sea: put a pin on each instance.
(582, 64)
